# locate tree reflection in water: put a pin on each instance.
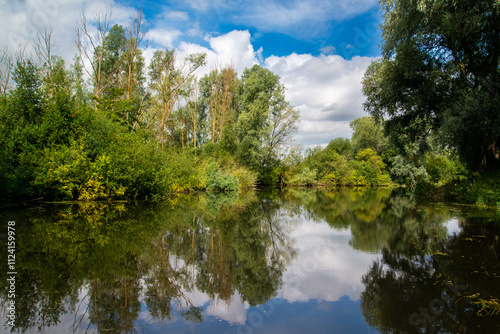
(114, 257)
(436, 284)
(104, 263)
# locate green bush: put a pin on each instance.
(218, 181)
(369, 169)
(405, 172)
(482, 190)
(305, 177)
(246, 178)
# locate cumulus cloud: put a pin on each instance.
(163, 37)
(233, 48)
(326, 89)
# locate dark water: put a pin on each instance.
(300, 261)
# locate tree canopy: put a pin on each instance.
(439, 75)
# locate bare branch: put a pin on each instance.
(90, 47)
(43, 49)
(6, 65)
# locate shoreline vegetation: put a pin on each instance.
(108, 126)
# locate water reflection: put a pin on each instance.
(453, 289)
(254, 260)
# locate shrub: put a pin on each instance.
(304, 177)
(246, 178)
(217, 181)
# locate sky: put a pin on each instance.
(319, 48)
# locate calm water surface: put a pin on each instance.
(298, 261)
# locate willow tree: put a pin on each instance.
(439, 74)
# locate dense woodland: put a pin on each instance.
(110, 126)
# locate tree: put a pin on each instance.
(266, 121)
(170, 81)
(113, 65)
(367, 133)
(91, 48)
(136, 37)
(218, 97)
(340, 145)
(6, 65)
(439, 75)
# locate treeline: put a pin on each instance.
(369, 158)
(108, 126)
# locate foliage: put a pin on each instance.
(304, 177)
(218, 181)
(367, 133)
(439, 76)
(482, 190)
(334, 165)
(404, 172)
(266, 120)
(117, 135)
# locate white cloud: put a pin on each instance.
(163, 37)
(326, 90)
(233, 48)
(175, 15)
(328, 49)
(300, 18)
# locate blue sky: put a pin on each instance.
(279, 27)
(319, 48)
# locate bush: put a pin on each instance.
(405, 172)
(482, 190)
(369, 169)
(217, 181)
(246, 178)
(305, 177)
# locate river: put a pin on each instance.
(357, 260)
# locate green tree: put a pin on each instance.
(367, 133)
(266, 120)
(170, 81)
(218, 98)
(439, 74)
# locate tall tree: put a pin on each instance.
(113, 66)
(440, 73)
(6, 65)
(44, 45)
(218, 98)
(266, 120)
(136, 32)
(91, 47)
(170, 81)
